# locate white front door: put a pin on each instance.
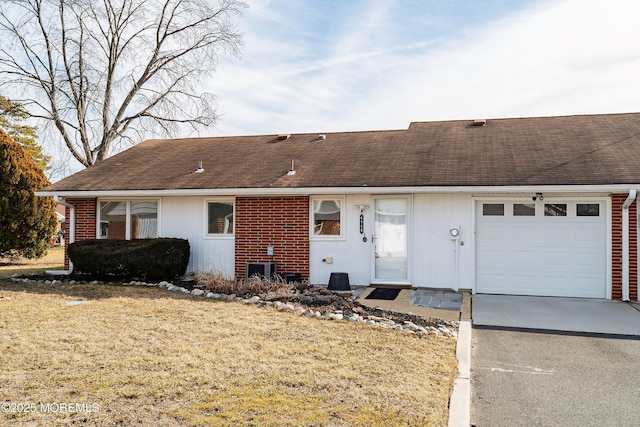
(390, 240)
(545, 248)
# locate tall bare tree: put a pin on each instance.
(104, 71)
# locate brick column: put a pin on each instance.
(281, 222)
(617, 200)
(85, 222)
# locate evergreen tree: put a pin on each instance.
(27, 222)
(11, 116)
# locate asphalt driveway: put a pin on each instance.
(523, 376)
(539, 379)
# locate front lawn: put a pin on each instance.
(53, 260)
(125, 355)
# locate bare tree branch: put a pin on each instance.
(112, 71)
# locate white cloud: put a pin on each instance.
(307, 72)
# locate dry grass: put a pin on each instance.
(53, 260)
(146, 356)
(267, 289)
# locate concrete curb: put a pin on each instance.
(460, 403)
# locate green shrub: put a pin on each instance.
(148, 259)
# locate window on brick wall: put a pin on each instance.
(326, 217)
(220, 217)
(128, 219)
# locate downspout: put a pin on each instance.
(625, 243)
(72, 233)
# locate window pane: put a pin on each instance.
(113, 220)
(220, 220)
(557, 209)
(492, 209)
(524, 209)
(144, 220)
(326, 217)
(588, 209)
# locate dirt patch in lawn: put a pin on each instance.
(146, 356)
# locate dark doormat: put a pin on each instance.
(383, 293)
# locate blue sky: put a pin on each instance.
(323, 66)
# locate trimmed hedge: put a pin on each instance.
(149, 259)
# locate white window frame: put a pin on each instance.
(340, 236)
(206, 233)
(127, 202)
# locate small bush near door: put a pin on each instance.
(148, 259)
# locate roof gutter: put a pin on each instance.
(72, 234)
(625, 243)
(476, 190)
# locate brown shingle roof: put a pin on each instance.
(569, 150)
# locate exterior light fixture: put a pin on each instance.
(538, 196)
(362, 208)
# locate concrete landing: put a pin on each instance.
(441, 299)
(402, 304)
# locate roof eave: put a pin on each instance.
(608, 188)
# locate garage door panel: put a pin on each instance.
(492, 256)
(590, 260)
(522, 257)
(526, 282)
(590, 234)
(588, 286)
(554, 283)
(538, 255)
(491, 282)
(491, 236)
(555, 233)
(553, 258)
(523, 233)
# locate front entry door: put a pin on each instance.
(390, 240)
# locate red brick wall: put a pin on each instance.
(281, 222)
(85, 223)
(617, 201)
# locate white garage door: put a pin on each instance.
(547, 248)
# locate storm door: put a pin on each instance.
(390, 240)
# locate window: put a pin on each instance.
(588, 209)
(493, 209)
(124, 219)
(144, 219)
(113, 220)
(220, 217)
(524, 209)
(555, 209)
(326, 217)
